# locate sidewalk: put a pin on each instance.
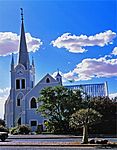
(40, 136)
(13, 140)
(53, 144)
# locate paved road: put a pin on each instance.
(46, 148)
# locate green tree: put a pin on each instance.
(83, 118)
(106, 107)
(57, 104)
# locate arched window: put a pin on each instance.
(19, 97)
(33, 103)
(17, 84)
(23, 83)
(47, 80)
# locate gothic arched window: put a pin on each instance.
(17, 84)
(33, 103)
(23, 83)
(19, 97)
(47, 80)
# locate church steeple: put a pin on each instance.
(59, 77)
(12, 60)
(33, 64)
(23, 53)
(12, 63)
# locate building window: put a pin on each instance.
(17, 84)
(47, 80)
(19, 98)
(34, 123)
(18, 102)
(32, 84)
(23, 83)
(33, 103)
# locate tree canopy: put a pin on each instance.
(83, 118)
(57, 104)
(107, 108)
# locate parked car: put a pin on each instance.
(3, 136)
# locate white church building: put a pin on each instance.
(21, 105)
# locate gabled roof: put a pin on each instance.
(43, 80)
(42, 84)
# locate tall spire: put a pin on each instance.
(33, 64)
(23, 53)
(12, 60)
(12, 63)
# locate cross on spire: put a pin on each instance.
(22, 17)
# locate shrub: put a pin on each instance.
(3, 129)
(39, 129)
(22, 129)
(14, 130)
(2, 122)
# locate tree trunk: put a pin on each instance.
(85, 134)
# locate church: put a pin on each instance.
(21, 105)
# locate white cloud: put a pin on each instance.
(77, 44)
(93, 68)
(113, 95)
(3, 96)
(9, 43)
(114, 52)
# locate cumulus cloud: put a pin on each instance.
(93, 68)
(9, 43)
(77, 44)
(3, 96)
(114, 52)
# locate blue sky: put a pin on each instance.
(76, 36)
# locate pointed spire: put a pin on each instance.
(12, 60)
(23, 53)
(58, 74)
(12, 63)
(33, 64)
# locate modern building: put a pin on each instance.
(20, 107)
(93, 90)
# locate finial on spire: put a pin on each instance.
(22, 17)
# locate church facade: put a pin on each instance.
(20, 106)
